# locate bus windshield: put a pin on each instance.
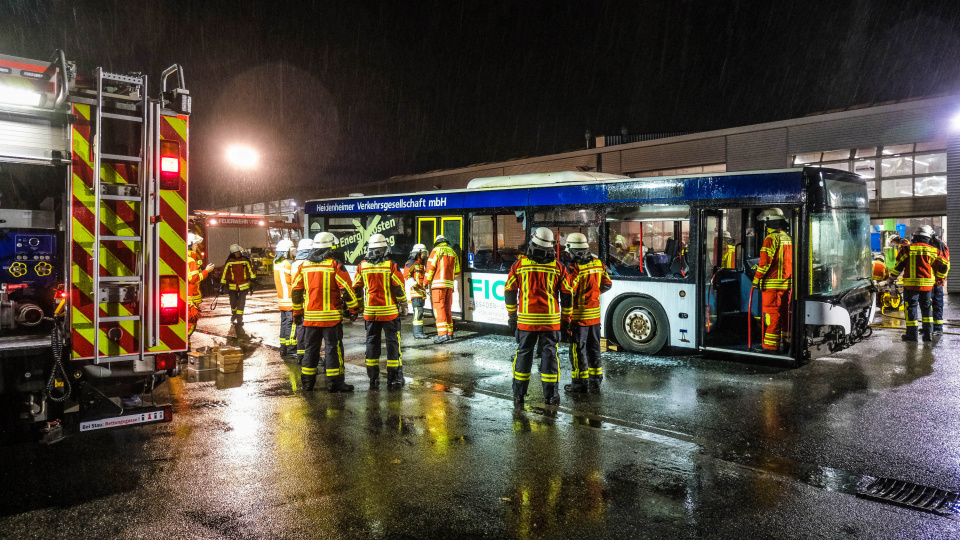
(839, 251)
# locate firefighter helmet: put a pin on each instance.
(440, 239)
(879, 257)
(235, 248)
(727, 237)
(620, 241)
(193, 239)
(377, 248)
(924, 230)
(284, 246)
(578, 247)
(324, 240)
(305, 243)
(418, 249)
(772, 214)
(540, 248)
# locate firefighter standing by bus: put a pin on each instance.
(295, 341)
(379, 282)
(729, 258)
(413, 276)
(443, 268)
(533, 312)
(237, 274)
(921, 265)
(320, 290)
(283, 280)
(936, 307)
(774, 278)
(195, 275)
(586, 280)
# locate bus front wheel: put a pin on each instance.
(640, 325)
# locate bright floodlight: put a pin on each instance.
(242, 157)
(955, 122)
(19, 96)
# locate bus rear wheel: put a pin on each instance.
(640, 325)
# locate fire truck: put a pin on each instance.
(93, 225)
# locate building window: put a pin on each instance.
(700, 169)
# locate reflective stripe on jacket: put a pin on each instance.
(195, 275)
(879, 271)
(585, 283)
(920, 265)
(775, 270)
(532, 292)
(413, 276)
(443, 267)
(382, 286)
(729, 257)
(326, 285)
(283, 279)
(237, 273)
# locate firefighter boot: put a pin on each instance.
(594, 383)
(518, 401)
(395, 378)
(374, 374)
(283, 351)
(336, 384)
(418, 332)
(925, 333)
(307, 382)
(911, 334)
(937, 329)
(551, 395)
(576, 387)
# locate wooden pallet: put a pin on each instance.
(229, 359)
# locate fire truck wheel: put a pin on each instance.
(640, 325)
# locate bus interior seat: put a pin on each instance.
(671, 247)
(728, 284)
(658, 264)
(483, 258)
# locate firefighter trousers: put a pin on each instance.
(377, 332)
(544, 343)
(298, 340)
(585, 353)
(286, 324)
(913, 300)
(193, 316)
(442, 301)
(936, 307)
(775, 314)
(331, 339)
(238, 299)
(417, 305)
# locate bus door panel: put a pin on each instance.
(724, 282)
(451, 227)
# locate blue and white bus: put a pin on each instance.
(663, 240)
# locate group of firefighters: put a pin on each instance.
(546, 300)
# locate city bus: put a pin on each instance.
(681, 250)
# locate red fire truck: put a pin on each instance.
(93, 225)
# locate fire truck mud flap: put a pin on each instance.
(133, 417)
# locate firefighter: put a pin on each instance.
(774, 278)
(283, 279)
(880, 272)
(380, 283)
(413, 273)
(295, 342)
(729, 259)
(937, 294)
(533, 312)
(921, 265)
(194, 276)
(321, 288)
(237, 274)
(586, 280)
(443, 268)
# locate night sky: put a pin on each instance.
(354, 91)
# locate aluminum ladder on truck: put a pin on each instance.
(126, 102)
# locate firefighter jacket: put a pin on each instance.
(319, 291)
(283, 279)
(195, 274)
(585, 283)
(879, 271)
(920, 265)
(237, 273)
(729, 257)
(531, 294)
(775, 270)
(443, 267)
(382, 286)
(413, 276)
(945, 255)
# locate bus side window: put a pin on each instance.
(495, 241)
(648, 241)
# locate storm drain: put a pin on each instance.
(912, 495)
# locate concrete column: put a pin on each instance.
(953, 207)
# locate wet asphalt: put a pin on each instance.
(678, 446)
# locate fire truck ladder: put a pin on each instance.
(127, 101)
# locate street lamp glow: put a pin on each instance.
(955, 122)
(242, 157)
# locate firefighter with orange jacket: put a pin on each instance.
(774, 278)
(533, 312)
(237, 274)
(320, 290)
(283, 280)
(195, 275)
(586, 280)
(380, 283)
(443, 268)
(921, 264)
(413, 276)
(936, 295)
(295, 346)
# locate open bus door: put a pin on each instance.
(732, 318)
(451, 227)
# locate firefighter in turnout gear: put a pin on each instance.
(774, 278)
(586, 280)
(237, 274)
(195, 275)
(380, 283)
(321, 288)
(413, 275)
(443, 268)
(920, 264)
(283, 279)
(936, 295)
(295, 343)
(729, 257)
(533, 312)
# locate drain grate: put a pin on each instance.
(908, 494)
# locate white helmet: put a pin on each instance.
(235, 248)
(924, 230)
(771, 214)
(284, 245)
(542, 237)
(306, 243)
(440, 239)
(727, 236)
(418, 248)
(620, 241)
(577, 241)
(193, 239)
(377, 241)
(324, 240)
